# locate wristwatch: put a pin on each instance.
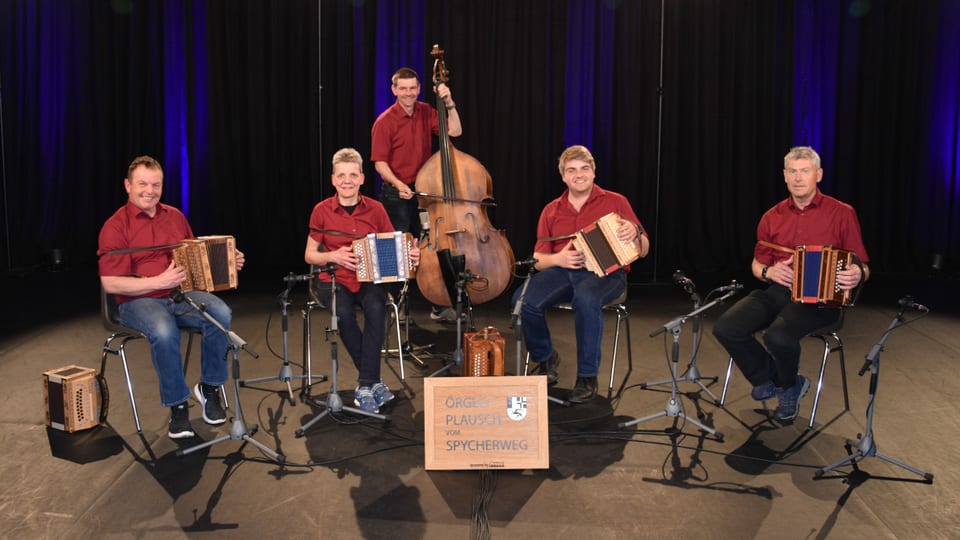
(763, 274)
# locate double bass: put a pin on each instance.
(455, 190)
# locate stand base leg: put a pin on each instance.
(335, 404)
(673, 410)
(238, 431)
(867, 448)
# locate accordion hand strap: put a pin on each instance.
(777, 247)
(146, 248)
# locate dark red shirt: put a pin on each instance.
(560, 218)
(130, 227)
(824, 222)
(404, 142)
(368, 217)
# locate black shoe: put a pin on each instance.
(585, 390)
(549, 368)
(209, 398)
(180, 427)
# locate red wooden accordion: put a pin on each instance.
(384, 257)
(483, 353)
(210, 262)
(603, 250)
(815, 270)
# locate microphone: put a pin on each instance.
(733, 286)
(907, 303)
(526, 262)
(295, 278)
(681, 279)
(424, 223)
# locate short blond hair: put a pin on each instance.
(576, 152)
(347, 155)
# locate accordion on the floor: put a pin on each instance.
(483, 353)
(604, 252)
(815, 270)
(75, 397)
(384, 257)
(210, 262)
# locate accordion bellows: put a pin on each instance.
(603, 250)
(384, 257)
(815, 270)
(210, 262)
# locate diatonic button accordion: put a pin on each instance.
(210, 262)
(384, 257)
(604, 252)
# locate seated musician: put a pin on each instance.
(806, 217)
(562, 276)
(142, 282)
(334, 223)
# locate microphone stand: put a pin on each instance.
(867, 447)
(334, 403)
(692, 374)
(462, 280)
(238, 428)
(516, 323)
(286, 372)
(674, 408)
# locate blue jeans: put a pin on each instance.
(587, 293)
(364, 345)
(161, 319)
(784, 324)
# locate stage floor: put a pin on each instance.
(352, 477)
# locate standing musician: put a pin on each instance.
(401, 142)
(334, 223)
(562, 276)
(806, 217)
(142, 281)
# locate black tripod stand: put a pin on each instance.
(674, 407)
(238, 428)
(334, 403)
(867, 447)
(286, 372)
(692, 374)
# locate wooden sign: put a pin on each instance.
(486, 423)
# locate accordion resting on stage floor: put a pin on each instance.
(815, 270)
(210, 262)
(75, 397)
(384, 257)
(483, 353)
(603, 250)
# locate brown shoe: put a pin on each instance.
(585, 390)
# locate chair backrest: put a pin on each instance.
(110, 314)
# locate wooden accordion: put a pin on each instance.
(483, 353)
(815, 270)
(76, 398)
(603, 250)
(210, 262)
(384, 257)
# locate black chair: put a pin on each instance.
(832, 343)
(121, 334)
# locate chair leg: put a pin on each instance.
(828, 348)
(396, 321)
(126, 375)
(726, 382)
(622, 315)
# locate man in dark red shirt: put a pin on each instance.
(334, 223)
(401, 142)
(806, 217)
(142, 281)
(562, 276)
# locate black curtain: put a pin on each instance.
(274, 88)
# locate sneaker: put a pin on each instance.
(363, 398)
(444, 315)
(585, 390)
(179, 426)
(381, 393)
(209, 398)
(789, 405)
(764, 392)
(549, 368)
